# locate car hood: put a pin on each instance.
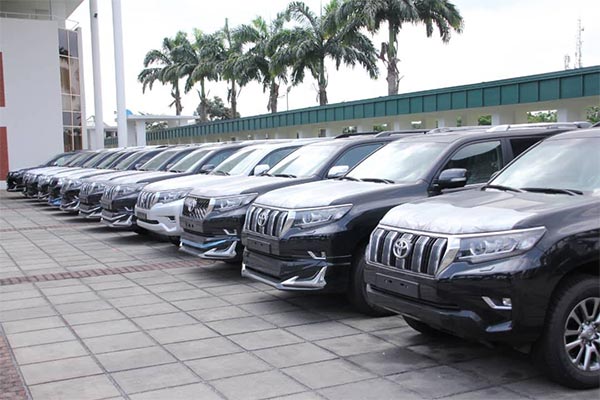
(142, 177)
(48, 170)
(109, 176)
(247, 184)
(479, 211)
(189, 181)
(326, 193)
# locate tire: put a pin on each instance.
(422, 327)
(174, 240)
(140, 231)
(357, 290)
(566, 308)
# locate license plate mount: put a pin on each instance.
(258, 245)
(397, 285)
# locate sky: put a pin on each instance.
(501, 39)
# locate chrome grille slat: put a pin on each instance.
(274, 223)
(271, 222)
(424, 257)
(198, 211)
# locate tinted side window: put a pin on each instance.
(276, 156)
(220, 157)
(519, 145)
(481, 160)
(356, 154)
(146, 157)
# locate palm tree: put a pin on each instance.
(230, 68)
(432, 13)
(160, 65)
(259, 61)
(320, 37)
(198, 63)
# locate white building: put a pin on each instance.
(41, 82)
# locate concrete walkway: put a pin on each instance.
(90, 313)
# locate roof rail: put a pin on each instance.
(458, 128)
(352, 134)
(401, 132)
(541, 125)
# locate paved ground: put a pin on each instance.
(90, 313)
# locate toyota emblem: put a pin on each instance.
(262, 218)
(401, 248)
(190, 203)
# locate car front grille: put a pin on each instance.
(88, 188)
(418, 253)
(265, 221)
(110, 192)
(147, 199)
(195, 207)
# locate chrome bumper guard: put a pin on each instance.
(317, 282)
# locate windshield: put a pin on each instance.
(157, 161)
(77, 160)
(399, 161)
(306, 161)
(109, 160)
(95, 159)
(571, 164)
(62, 160)
(239, 162)
(188, 161)
(127, 162)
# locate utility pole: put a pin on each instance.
(579, 45)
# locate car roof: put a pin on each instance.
(578, 134)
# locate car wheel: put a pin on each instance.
(357, 292)
(422, 327)
(569, 349)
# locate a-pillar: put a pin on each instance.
(568, 115)
(119, 73)
(140, 133)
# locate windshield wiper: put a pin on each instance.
(570, 192)
(219, 172)
(502, 187)
(348, 178)
(377, 180)
(285, 175)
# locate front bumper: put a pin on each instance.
(468, 304)
(69, 200)
(162, 218)
(89, 206)
(224, 247)
(118, 219)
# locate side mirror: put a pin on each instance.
(452, 178)
(261, 169)
(337, 171)
(138, 166)
(206, 168)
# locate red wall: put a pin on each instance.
(3, 134)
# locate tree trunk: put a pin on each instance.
(177, 97)
(202, 110)
(273, 96)
(322, 84)
(233, 99)
(392, 62)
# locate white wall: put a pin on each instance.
(33, 112)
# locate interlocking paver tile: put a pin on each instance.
(392, 361)
(203, 348)
(227, 366)
(85, 306)
(239, 325)
(355, 344)
(164, 320)
(292, 318)
(104, 328)
(152, 378)
(135, 358)
(322, 330)
(59, 369)
(187, 392)
(124, 341)
(264, 339)
(495, 393)
(440, 381)
(89, 317)
(294, 354)
(88, 388)
(543, 388)
(33, 324)
(40, 337)
(219, 313)
(327, 373)
(501, 369)
(257, 386)
(184, 294)
(376, 389)
(181, 333)
(269, 307)
(369, 324)
(147, 309)
(49, 352)
(199, 303)
(448, 350)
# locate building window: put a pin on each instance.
(68, 51)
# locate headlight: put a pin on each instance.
(230, 203)
(486, 247)
(167, 197)
(124, 190)
(73, 184)
(61, 181)
(309, 218)
(97, 187)
(44, 179)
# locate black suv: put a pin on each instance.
(517, 261)
(213, 217)
(14, 179)
(322, 228)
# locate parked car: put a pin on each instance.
(159, 205)
(91, 189)
(516, 262)
(14, 178)
(212, 217)
(313, 236)
(120, 195)
(32, 177)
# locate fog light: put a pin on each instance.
(504, 304)
(507, 302)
